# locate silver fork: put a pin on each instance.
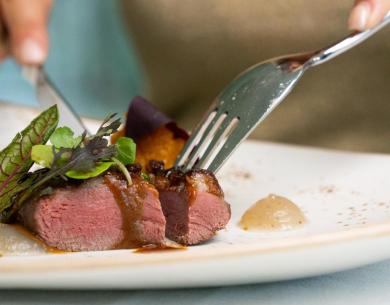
(250, 98)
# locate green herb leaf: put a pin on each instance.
(99, 169)
(126, 148)
(64, 137)
(15, 159)
(42, 155)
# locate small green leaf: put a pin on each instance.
(42, 155)
(125, 150)
(99, 169)
(64, 137)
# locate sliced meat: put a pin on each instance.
(193, 204)
(98, 214)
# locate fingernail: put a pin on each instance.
(359, 16)
(31, 52)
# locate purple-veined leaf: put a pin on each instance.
(15, 159)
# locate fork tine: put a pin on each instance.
(194, 139)
(201, 145)
(234, 139)
(219, 139)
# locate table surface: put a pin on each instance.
(367, 285)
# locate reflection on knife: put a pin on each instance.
(48, 95)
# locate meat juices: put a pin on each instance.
(98, 214)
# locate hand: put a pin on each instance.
(23, 30)
(367, 13)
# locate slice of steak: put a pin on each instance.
(98, 214)
(193, 204)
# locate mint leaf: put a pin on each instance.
(42, 155)
(64, 137)
(99, 168)
(126, 148)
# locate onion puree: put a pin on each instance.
(272, 213)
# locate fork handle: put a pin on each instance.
(345, 44)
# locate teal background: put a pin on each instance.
(91, 60)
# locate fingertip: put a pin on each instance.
(360, 14)
(31, 52)
(30, 49)
(26, 23)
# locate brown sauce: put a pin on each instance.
(130, 201)
(272, 213)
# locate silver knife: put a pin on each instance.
(48, 95)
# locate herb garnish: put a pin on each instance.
(84, 157)
(68, 156)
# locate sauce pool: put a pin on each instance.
(272, 213)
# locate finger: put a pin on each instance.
(367, 13)
(26, 22)
(379, 11)
(3, 48)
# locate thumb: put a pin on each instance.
(26, 24)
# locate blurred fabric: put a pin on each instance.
(91, 60)
(190, 50)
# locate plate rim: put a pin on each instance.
(82, 261)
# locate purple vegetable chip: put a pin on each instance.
(143, 118)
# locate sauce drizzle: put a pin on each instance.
(129, 199)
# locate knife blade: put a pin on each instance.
(48, 95)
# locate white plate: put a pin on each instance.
(345, 197)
